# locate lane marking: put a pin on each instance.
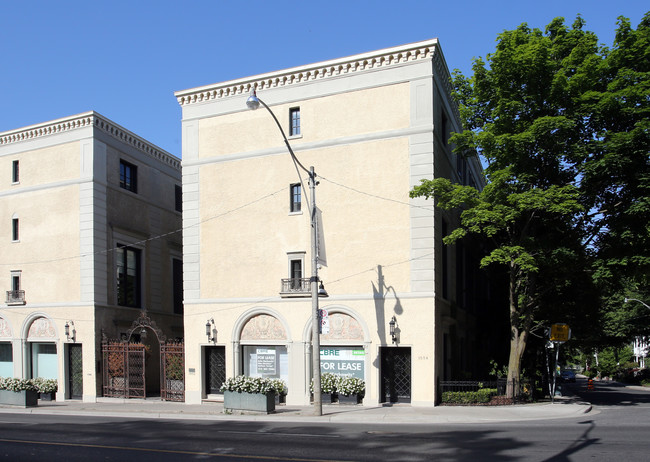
(277, 434)
(164, 451)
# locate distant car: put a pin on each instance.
(568, 376)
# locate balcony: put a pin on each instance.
(296, 287)
(15, 297)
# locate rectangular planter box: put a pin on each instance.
(23, 398)
(256, 402)
(352, 399)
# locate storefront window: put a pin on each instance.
(6, 360)
(266, 361)
(44, 360)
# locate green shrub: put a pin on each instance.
(469, 397)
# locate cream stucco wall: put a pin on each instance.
(361, 232)
(68, 202)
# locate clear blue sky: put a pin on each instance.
(125, 58)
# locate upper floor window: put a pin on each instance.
(444, 127)
(15, 172)
(128, 276)
(295, 197)
(294, 121)
(178, 198)
(15, 229)
(128, 176)
(15, 296)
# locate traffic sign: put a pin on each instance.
(560, 333)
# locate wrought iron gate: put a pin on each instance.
(172, 382)
(124, 365)
(395, 374)
(123, 369)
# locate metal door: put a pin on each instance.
(215, 368)
(75, 371)
(395, 374)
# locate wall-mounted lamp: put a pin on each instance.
(67, 331)
(391, 325)
(143, 334)
(210, 330)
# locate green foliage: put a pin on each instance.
(563, 125)
(612, 360)
(483, 395)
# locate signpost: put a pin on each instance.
(558, 334)
(324, 322)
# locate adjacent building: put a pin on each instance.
(90, 242)
(372, 125)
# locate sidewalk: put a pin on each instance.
(156, 409)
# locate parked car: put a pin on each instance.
(568, 376)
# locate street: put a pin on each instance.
(616, 429)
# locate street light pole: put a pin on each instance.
(253, 103)
(636, 300)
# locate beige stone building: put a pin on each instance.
(89, 219)
(372, 125)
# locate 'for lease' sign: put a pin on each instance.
(344, 361)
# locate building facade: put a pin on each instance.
(372, 125)
(91, 238)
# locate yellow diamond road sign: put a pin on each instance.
(560, 333)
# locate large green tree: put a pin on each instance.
(563, 166)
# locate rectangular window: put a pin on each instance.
(128, 176)
(178, 198)
(44, 360)
(445, 263)
(295, 270)
(15, 229)
(128, 276)
(294, 121)
(6, 360)
(444, 128)
(295, 197)
(177, 283)
(266, 361)
(15, 281)
(15, 172)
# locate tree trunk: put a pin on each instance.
(520, 322)
(517, 347)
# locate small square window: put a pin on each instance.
(178, 198)
(128, 176)
(294, 121)
(15, 229)
(15, 172)
(295, 198)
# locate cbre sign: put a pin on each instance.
(343, 361)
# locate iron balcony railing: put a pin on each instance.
(296, 287)
(15, 297)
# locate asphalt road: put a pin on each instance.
(616, 429)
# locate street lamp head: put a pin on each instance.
(253, 102)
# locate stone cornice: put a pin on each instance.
(90, 119)
(328, 69)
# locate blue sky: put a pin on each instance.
(125, 59)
